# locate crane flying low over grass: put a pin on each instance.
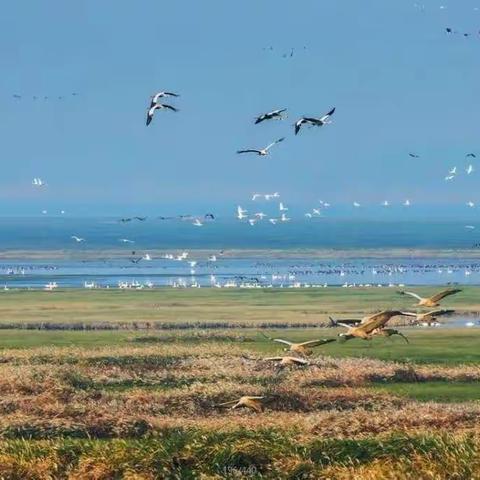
(288, 361)
(253, 403)
(434, 300)
(304, 348)
(431, 316)
(373, 326)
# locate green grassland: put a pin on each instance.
(176, 308)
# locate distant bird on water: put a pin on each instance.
(275, 114)
(264, 151)
(316, 122)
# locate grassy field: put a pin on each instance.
(141, 400)
(175, 308)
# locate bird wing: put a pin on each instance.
(444, 294)
(250, 150)
(412, 294)
(331, 112)
(274, 143)
(226, 403)
(378, 320)
(316, 343)
(298, 125)
(438, 313)
(171, 94)
(260, 119)
(314, 121)
(279, 340)
(299, 360)
(346, 325)
(169, 107)
(347, 321)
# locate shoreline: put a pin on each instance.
(319, 254)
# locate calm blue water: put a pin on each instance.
(48, 233)
(80, 265)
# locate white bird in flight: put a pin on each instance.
(260, 215)
(241, 213)
(155, 98)
(470, 169)
(38, 182)
(386, 203)
(470, 204)
(284, 218)
(356, 204)
(77, 239)
(125, 240)
(197, 223)
(269, 196)
(263, 151)
(275, 114)
(317, 122)
(406, 203)
(282, 207)
(158, 106)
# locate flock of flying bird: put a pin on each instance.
(363, 328)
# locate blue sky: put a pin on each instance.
(399, 83)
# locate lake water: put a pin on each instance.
(243, 262)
